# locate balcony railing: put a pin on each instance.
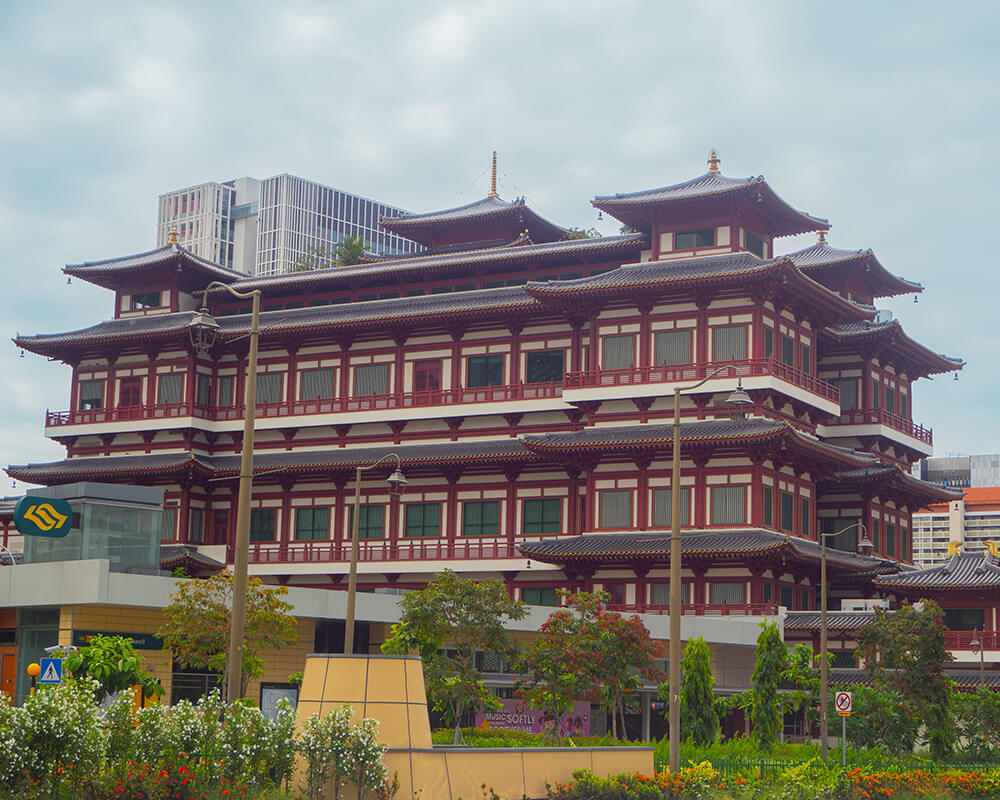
(962, 640)
(425, 399)
(380, 550)
(686, 373)
(701, 609)
(878, 416)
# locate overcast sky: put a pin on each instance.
(881, 117)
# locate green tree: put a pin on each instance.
(766, 706)
(314, 258)
(464, 616)
(880, 718)
(977, 719)
(905, 651)
(198, 621)
(580, 233)
(113, 662)
(802, 677)
(349, 250)
(699, 721)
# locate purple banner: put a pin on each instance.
(513, 717)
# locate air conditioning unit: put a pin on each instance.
(862, 605)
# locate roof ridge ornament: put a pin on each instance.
(172, 239)
(493, 177)
(821, 237)
(713, 161)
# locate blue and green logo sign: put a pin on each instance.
(43, 516)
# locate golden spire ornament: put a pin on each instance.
(493, 179)
(713, 161)
(822, 237)
(173, 235)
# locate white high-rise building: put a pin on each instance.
(264, 227)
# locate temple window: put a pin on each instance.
(787, 596)
(370, 522)
(692, 240)
(875, 534)
(203, 390)
(91, 394)
(263, 524)
(130, 392)
(226, 386)
(787, 511)
(890, 540)
(481, 518)
(663, 508)
(848, 393)
(269, 387)
(543, 366)
(902, 406)
(423, 520)
(168, 525)
(659, 593)
(144, 300)
(964, 619)
(729, 343)
(616, 508)
(726, 593)
(371, 380)
(890, 400)
(539, 596)
(806, 517)
(196, 530)
(616, 593)
(484, 371)
(847, 541)
(312, 524)
(316, 384)
(672, 347)
(728, 505)
(768, 591)
(804, 600)
(753, 244)
(788, 350)
(619, 351)
(876, 394)
(542, 515)
(768, 342)
(806, 359)
(170, 389)
(768, 505)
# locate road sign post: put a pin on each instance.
(845, 704)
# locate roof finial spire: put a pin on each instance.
(173, 235)
(822, 237)
(493, 179)
(713, 161)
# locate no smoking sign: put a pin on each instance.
(844, 702)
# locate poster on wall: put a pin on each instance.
(513, 717)
(270, 696)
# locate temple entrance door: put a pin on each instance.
(8, 669)
(427, 377)
(130, 392)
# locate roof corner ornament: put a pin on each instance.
(992, 548)
(493, 177)
(173, 235)
(713, 161)
(821, 237)
(953, 547)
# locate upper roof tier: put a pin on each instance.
(708, 196)
(112, 273)
(488, 220)
(967, 570)
(834, 267)
(907, 354)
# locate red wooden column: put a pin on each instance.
(591, 498)
(74, 387)
(192, 380)
(293, 373)
(456, 359)
(234, 502)
(645, 334)
(451, 517)
(576, 344)
(339, 511)
(573, 510)
(642, 492)
(345, 371)
(240, 389)
(395, 506)
(866, 385)
(701, 334)
(514, 371)
(285, 528)
(112, 378)
(511, 473)
(595, 344)
(399, 366)
(184, 511)
(151, 377)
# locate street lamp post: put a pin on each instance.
(397, 483)
(204, 331)
(979, 647)
(824, 667)
(737, 399)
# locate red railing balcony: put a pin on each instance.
(383, 550)
(962, 640)
(425, 399)
(746, 368)
(701, 609)
(878, 416)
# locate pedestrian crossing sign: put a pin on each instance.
(51, 670)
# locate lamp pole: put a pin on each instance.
(979, 647)
(824, 667)
(204, 331)
(396, 483)
(737, 398)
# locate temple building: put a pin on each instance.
(524, 377)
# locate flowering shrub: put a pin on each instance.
(691, 783)
(863, 785)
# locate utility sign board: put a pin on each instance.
(844, 702)
(43, 516)
(51, 670)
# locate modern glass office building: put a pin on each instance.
(270, 226)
